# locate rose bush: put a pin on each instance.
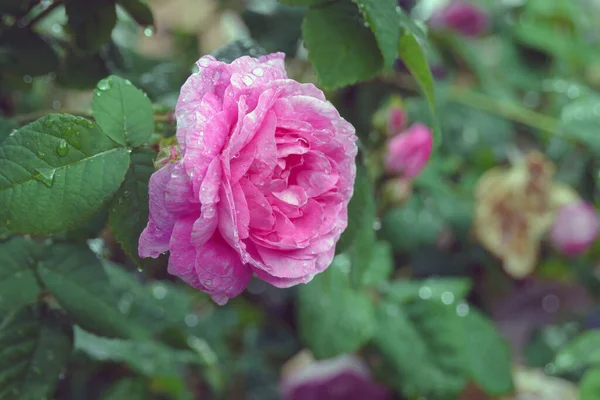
(265, 174)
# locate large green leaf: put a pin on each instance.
(77, 280)
(35, 346)
(583, 351)
(334, 318)
(412, 55)
(129, 208)
(403, 291)
(383, 20)
(23, 52)
(91, 22)
(139, 11)
(341, 48)
(56, 173)
(18, 285)
(423, 344)
(123, 111)
(488, 359)
(580, 120)
(589, 387)
(145, 356)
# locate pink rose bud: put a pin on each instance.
(461, 17)
(167, 153)
(342, 378)
(262, 185)
(575, 228)
(409, 151)
(396, 120)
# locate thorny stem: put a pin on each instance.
(26, 118)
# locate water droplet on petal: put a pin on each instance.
(258, 72)
(247, 80)
(45, 175)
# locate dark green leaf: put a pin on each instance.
(139, 11)
(129, 208)
(361, 209)
(127, 388)
(488, 358)
(334, 318)
(56, 173)
(341, 48)
(589, 387)
(383, 20)
(81, 71)
(123, 111)
(18, 285)
(147, 357)
(91, 22)
(77, 280)
(403, 291)
(583, 351)
(35, 346)
(23, 52)
(422, 342)
(411, 54)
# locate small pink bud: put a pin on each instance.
(575, 228)
(462, 17)
(345, 377)
(167, 152)
(409, 151)
(396, 120)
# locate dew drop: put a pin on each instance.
(159, 292)
(425, 292)
(462, 310)
(191, 320)
(258, 72)
(247, 80)
(148, 31)
(45, 175)
(56, 104)
(62, 149)
(41, 154)
(447, 298)
(104, 84)
(27, 79)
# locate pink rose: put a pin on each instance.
(462, 17)
(575, 228)
(396, 120)
(263, 183)
(408, 152)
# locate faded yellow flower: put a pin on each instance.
(515, 208)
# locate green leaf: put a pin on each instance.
(488, 359)
(129, 208)
(155, 307)
(145, 356)
(123, 111)
(411, 54)
(7, 126)
(433, 288)
(91, 22)
(589, 387)
(81, 71)
(18, 285)
(77, 280)
(422, 342)
(35, 346)
(334, 318)
(381, 265)
(342, 50)
(139, 11)
(581, 352)
(579, 121)
(127, 388)
(383, 20)
(23, 52)
(409, 25)
(56, 173)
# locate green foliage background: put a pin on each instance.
(410, 290)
